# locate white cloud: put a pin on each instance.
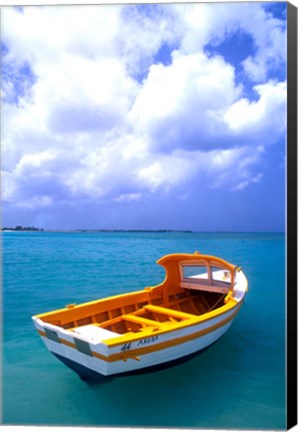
(128, 197)
(168, 171)
(36, 160)
(43, 35)
(213, 23)
(269, 36)
(266, 116)
(181, 105)
(235, 168)
(102, 117)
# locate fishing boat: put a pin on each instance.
(152, 328)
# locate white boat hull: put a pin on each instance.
(142, 354)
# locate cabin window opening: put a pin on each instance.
(195, 274)
(220, 276)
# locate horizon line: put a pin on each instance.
(159, 230)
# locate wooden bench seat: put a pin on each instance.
(140, 320)
(169, 312)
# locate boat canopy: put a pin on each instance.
(199, 272)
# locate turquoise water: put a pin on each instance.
(238, 383)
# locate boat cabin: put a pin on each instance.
(197, 272)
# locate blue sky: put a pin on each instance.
(163, 116)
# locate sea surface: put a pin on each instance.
(238, 383)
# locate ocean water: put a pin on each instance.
(239, 383)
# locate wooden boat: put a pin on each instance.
(138, 331)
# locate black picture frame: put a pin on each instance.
(291, 316)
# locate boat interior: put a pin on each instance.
(139, 315)
(189, 290)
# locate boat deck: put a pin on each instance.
(94, 333)
(152, 317)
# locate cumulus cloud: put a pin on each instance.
(104, 114)
(263, 119)
(181, 105)
(214, 23)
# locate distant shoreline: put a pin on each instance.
(19, 228)
(93, 230)
(133, 231)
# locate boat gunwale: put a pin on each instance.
(87, 304)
